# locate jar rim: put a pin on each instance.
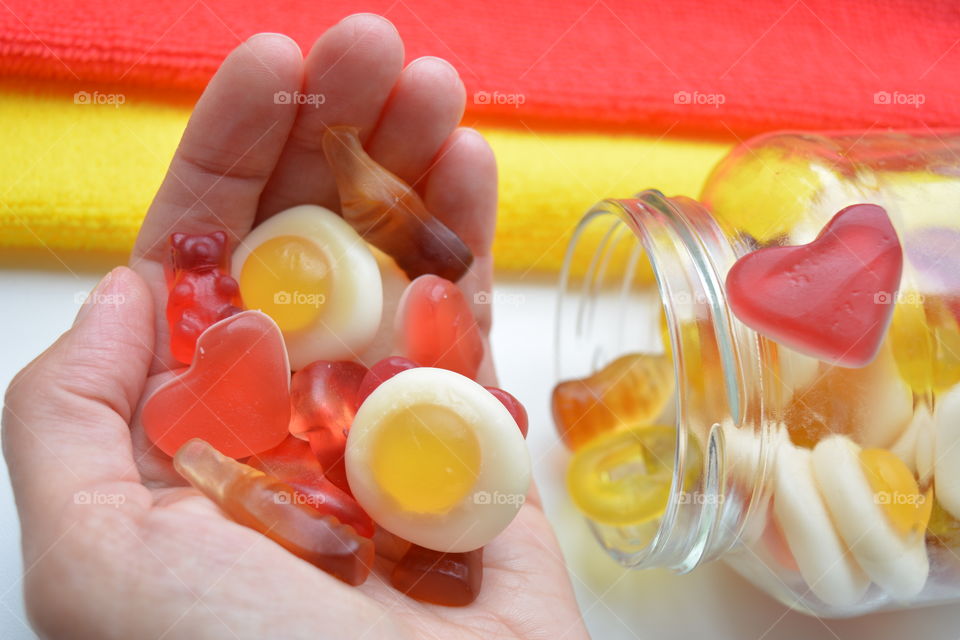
(684, 245)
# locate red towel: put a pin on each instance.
(693, 66)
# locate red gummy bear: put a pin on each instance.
(437, 328)
(831, 298)
(201, 291)
(293, 462)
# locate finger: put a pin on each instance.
(349, 74)
(229, 148)
(461, 190)
(424, 109)
(66, 415)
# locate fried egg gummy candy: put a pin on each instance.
(436, 459)
(309, 270)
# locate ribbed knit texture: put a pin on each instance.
(82, 176)
(594, 63)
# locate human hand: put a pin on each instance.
(114, 545)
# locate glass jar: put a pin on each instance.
(835, 489)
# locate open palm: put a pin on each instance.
(114, 545)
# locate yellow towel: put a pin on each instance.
(75, 174)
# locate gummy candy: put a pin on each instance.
(896, 491)
(328, 447)
(926, 343)
(514, 406)
(831, 298)
(449, 579)
(381, 372)
(283, 266)
(235, 395)
(426, 458)
(624, 477)
(768, 194)
(943, 529)
(874, 504)
(201, 291)
(871, 404)
(390, 546)
(266, 505)
(436, 327)
(631, 390)
(323, 396)
(293, 462)
(389, 214)
(306, 268)
(436, 459)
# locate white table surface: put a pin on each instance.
(40, 293)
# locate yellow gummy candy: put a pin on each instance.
(896, 490)
(926, 343)
(624, 477)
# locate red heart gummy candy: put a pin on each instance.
(235, 395)
(831, 298)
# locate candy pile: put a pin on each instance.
(381, 442)
(863, 404)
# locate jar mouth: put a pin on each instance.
(629, 263)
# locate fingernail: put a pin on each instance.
(271, 35)
(367, 15)
(437, 62)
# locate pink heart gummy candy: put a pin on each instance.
(235, 394)
(831, 298)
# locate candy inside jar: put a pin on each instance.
(806, 312)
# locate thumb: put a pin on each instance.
(66, 414)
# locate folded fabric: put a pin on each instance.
(691, 66)
(81, 176)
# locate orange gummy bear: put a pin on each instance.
(264, 504)
(389, 214)
(448, 579)
(235, 395)
(437, 328)
(630, 391)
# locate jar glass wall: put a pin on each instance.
(835, 488)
